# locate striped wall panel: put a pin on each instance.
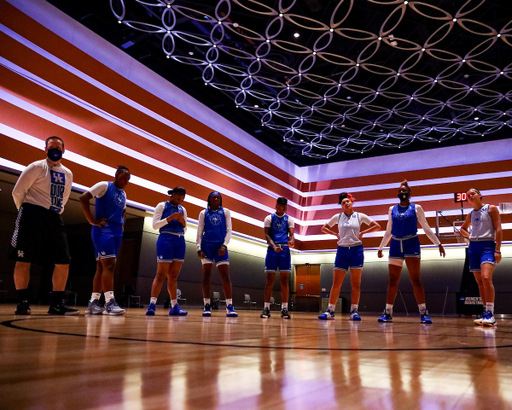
(50, 86)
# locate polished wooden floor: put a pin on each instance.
(162, 362)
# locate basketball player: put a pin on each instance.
(402, 229)
(213, 236)
(170, 218)
(484, 249)
(350, 254)
(107, 235)
(278, 229)
(40, 194)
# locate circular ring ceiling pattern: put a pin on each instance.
(405, 76)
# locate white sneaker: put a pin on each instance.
(112, 308)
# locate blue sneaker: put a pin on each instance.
(329, 314)
(425, 318)
(151, 310)
(230, 311)
(207, 310)
(354, 315)
(177, 311)
(488, 319)
(386, 316)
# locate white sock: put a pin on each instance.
(109, 296)
(153, 300)
(206, 301)
(390, 308)
(490, 307)
(422, 307)
(173, 302)
(332, 307)
(229, 302)
(95, 296)
(353, 307)
(285, 305)
(267, 305)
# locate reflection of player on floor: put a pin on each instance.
(484, 249)
(40, 194)
(213, 236)
(170, 218)
(107, 235)
(402, 229)
(350, 253)
(279, 235)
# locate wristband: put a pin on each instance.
(199, 251)
(224, 246)
(497, 252)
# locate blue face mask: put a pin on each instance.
(54, 154)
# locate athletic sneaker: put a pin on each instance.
(488, 319)
(386, 316)
(113, 309)
(478, 321)
(329, 314)
(62, 310)
(425, 318)
(151, 310)
(207, 310)
(23, 308)
(354, 315)
(94, 308)
(285, 314)
(266, 313)
(230, 311)
(177, 311)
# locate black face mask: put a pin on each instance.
(403, 196)
(54, 154)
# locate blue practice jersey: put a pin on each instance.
(279, 228)
(173, 226)
(111, 205)
(405, 221)
(214, 226)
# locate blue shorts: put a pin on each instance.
(106, 241)
(349, 257)
(170, 248)
(406, 248)
(211, 251)
(281, 260)
(481, 252)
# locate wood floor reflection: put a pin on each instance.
(162, 362)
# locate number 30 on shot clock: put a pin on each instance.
(460, 197)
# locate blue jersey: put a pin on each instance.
(214, 226)
(279, 228)
(173, 226)
(111, 205)
(405, 221)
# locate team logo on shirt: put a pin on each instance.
(119, 199)
(57, 187)
(215, 219)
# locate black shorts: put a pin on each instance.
(39, 236)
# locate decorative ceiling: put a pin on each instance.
(322, 81)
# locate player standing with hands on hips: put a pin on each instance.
(484, 249)
(107, 235)
(40, 194)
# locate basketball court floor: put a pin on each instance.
(162, 362)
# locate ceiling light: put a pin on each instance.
(301, 140)
(296, 35)
(454, 20)
(280, 14)
(235, 25)
(119, 21)
(380, 38)
(499, 35)
(349, 97)
(190, 53)
(256, 106)
(331, 30)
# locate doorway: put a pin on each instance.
(307, 288)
